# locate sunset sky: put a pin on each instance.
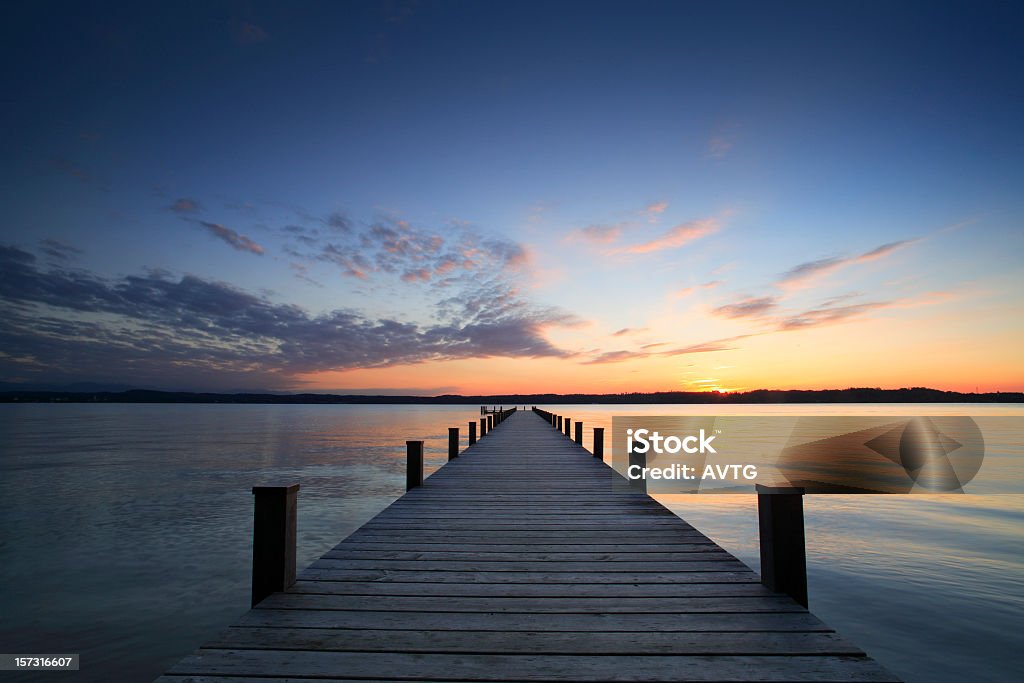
(484, 197)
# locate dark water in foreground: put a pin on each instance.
(126, 530)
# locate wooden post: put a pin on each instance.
(453, 443)
(579, 432)
(472, 432)
(273, 539)
(568, 423)
(413, 464)
(780, 514)
(490, 422)
(599, 442)
(483, 427)
(640, 460)
(559, 425)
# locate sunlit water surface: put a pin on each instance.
(126, 529)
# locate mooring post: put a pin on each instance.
(483, 427)
(559, 425)
(640, 460)
(490, 422)
(413, 464)
(780, 515)
(472, 432)
(568, 425)
(273, 539)
(453, 443)
(599, 442)
(579, 432)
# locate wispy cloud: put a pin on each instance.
(614, 357)
(396, 247)
(628, 330)
(719, 146)
(827, 315)
(57, 250)
(678, 236)
(726, 344)
(232, 238)
(597, 234)
(750, 307)
(184, 205)
(687, 291)
(654, 210)
(805, 274)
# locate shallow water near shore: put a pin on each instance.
(127, 529)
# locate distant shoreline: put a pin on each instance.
(760, 396)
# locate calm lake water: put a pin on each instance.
(126, 530)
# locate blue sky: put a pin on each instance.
(514, 183)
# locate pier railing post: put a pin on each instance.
(453, 443)
(490, 422)
(413, 464)
(483, 427)
(568, 425)
(579, 432)
(559, 425)
(273, 539)
(472, 432)
(599, 442)
(780, 514)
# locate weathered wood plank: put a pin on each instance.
(533, 605)
(718, 561)
(495, 667)
(606, 643)
(693, 572)
(503, 621)
(685, 555)
(533, 590)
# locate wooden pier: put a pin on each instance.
(519, 561)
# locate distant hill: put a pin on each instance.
(852, 395)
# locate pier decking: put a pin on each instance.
(518, 561)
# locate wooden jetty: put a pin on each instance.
(519, 561)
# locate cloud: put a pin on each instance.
(57, 250)
(628, 330)
(687, 291)
(747, 308)
(339, 222)
(719, 145)
(158, 329)
(615, 357)
(727, 344)
(827, 315)
(654, 210)
(678, 236)
(596, 234)
(232, 238)
(804, 274)
(185, 205)
(396, 247)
